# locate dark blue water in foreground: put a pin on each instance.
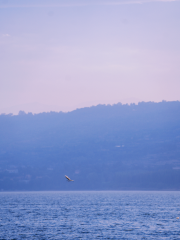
(90, 215)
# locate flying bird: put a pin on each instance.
(69, 179)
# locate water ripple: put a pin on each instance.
(90, 215)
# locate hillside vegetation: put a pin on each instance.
(119, 147)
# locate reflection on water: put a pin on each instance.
(90, 215)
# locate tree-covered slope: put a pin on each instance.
(117, 147)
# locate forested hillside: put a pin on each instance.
(119, 147)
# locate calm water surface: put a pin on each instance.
(90, 215)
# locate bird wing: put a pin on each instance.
(68, 178)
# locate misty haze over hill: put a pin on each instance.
(36, 107)
(119, 147)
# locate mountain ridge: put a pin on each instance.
(105, 147)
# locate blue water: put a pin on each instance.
(90, 215)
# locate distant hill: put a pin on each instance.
(119, 147)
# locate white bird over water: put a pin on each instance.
(69, 179)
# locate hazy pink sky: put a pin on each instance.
(60, 55)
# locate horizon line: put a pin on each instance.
(119, 103)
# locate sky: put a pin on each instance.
(62, 55)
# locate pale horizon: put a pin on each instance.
(36, 108)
